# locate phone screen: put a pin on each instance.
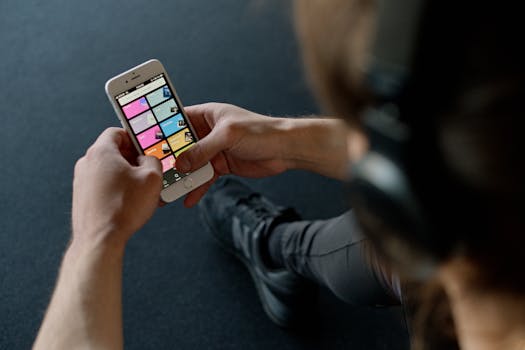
(160, 128)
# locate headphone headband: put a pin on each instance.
(393, 49)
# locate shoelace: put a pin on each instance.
(255, 207)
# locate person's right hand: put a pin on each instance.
(115, 191)
(235, 141)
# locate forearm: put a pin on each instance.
(321, 145)
(86, 307)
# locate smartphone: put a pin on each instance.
(148, 108)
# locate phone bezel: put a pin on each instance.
(123, 82)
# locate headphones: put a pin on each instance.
(401, 189)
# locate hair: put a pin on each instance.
(472, 76)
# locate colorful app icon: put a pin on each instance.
(135, 107)
(166, 92)
(168, 163)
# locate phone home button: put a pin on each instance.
(188, 182)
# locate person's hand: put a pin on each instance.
(236, 141)
(115, 191)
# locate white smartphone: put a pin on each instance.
(148, 108)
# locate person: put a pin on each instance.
(470, 277)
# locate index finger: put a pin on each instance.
(111, 138)
(115, 141)
(197, 116)
(206, 115)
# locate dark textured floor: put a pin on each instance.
(180, 290)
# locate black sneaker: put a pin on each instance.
(240, 220)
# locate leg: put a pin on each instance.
(335, 254)
(331, 253)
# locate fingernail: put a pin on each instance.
(183, 165)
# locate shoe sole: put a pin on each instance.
(258, 284)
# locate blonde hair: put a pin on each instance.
(334, 37)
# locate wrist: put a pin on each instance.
(316, 144)
(100, 245)
(283, 130)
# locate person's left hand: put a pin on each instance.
(115, 191)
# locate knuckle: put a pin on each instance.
(217, 109)
(228, 124)
(79, 165)
(213, 105)
(112, 130)
(91, 152)
(231, 129)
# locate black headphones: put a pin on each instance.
(401, 189)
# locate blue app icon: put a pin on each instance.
(166, 92)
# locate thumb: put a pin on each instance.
(201, 152)
(149, 163)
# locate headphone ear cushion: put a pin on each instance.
(387, 210)
(382, 186)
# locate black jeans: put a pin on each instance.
(334, 253)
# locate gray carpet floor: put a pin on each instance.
(180, 290)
